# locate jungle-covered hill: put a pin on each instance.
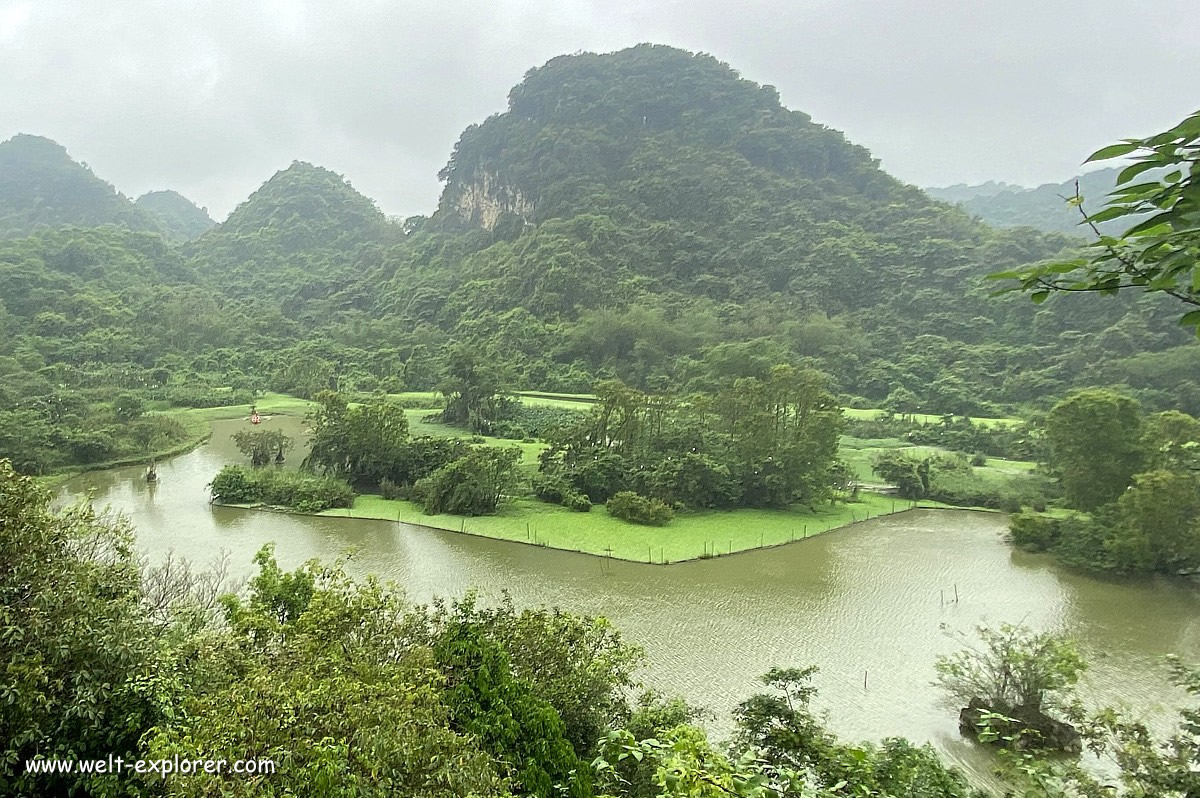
(651, 214)
(42, 187)
(646, 214)
(179, 218)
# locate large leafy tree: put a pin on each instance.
(80, 670)
(472, 388)
(1096, 446)
(316, 679)
(363, 444)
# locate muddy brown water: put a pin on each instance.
(876, 600)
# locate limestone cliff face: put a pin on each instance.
(485, 199)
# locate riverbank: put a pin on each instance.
(197, 423)
(690, 536)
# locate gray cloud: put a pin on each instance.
(210, 98)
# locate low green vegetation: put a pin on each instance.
(689, 535)
(274, 487)
(638, 509)
(953, 479)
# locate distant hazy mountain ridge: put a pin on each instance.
(1044, 207)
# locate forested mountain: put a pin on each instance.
(646, 214)
(41, 187)
(296, 236)
(1043, 208)
(179, 218)
(651, 215)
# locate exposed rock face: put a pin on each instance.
(1033, 728)
(483, 201)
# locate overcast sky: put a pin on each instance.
(211, 97)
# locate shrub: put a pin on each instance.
(974, 490)
(421, 456)
(693, 479)
(128, 406)
(578, 503)
(389, 489)
(1033, 532)
(601, 476)
(519, 420)
(306, 493)
(979, 459)
(552, 487)
(234, 485)
(203, 396)
(471, 485)
(638, 509)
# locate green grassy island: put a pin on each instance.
(690, 536)
(694, 531)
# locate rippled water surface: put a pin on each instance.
(874, 601)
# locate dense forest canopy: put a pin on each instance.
(646, 215)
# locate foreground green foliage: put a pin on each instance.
(1158, 254)
(1017, 682)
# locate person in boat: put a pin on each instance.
(152, 472)
(254, 417)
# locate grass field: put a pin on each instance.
(858, 453)
(927, 418)
(418, 426)
(689, 536)
(577, 398)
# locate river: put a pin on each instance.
(873, 603)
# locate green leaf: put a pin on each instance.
(1039, 297)
(1113, 151)
(1109, 213)
(1151, 226)
(1191, 319)
(1133, 170)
